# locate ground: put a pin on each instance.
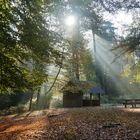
(73, 124)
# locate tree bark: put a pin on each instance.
(30, 104)
(54, 79)
(38, 97)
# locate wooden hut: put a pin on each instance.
(73, 93)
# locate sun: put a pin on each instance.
(70, 20)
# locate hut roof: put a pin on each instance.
(96, 90)
(77, 86)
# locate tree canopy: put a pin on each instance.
(27, 44)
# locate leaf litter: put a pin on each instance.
(88, 123)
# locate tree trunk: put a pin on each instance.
(38, 97)
(95, 54)
(30, 105)
(77, 73)
(94, 43)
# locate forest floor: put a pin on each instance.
(89, 123)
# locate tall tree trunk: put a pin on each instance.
(94, 43)
(95, 54)
(77, 73)
(51, 87)
(38, 97)
(75, 49)
(30, 104)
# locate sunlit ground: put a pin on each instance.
(132, 110)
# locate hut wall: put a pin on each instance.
(72, 99)
(91, 103)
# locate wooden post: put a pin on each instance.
(99, 98)
(125, 103)
(90, 99)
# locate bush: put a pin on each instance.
(14, 110)
(9, 100)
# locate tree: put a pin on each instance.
(115, 5)
(132, 41)
(25, 39)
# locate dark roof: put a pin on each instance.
(95, 90)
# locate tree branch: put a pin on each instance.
(56, 75)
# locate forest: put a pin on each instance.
(69, 69)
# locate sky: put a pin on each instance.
(120, 19)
